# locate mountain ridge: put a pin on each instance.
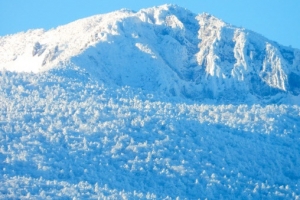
(187, 55)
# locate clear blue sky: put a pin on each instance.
(276, 19)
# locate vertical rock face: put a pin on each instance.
(236, 59)
(166, 49)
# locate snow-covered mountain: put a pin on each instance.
(166, 49)
(156, 104)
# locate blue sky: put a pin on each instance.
(276, 19)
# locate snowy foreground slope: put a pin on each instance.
(156, 104)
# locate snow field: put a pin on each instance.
(71, 137)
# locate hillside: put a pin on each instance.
(155, 104)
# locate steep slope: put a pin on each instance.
(166, 49)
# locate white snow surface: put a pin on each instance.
(167, 49)
(156, 104)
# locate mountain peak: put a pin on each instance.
(206, 18)
(167, 7)
(165, 48)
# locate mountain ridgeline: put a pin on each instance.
(165, 49)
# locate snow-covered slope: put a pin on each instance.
(155, 104)
(167, 49)
(65, 136)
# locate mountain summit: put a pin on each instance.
(166, 49)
